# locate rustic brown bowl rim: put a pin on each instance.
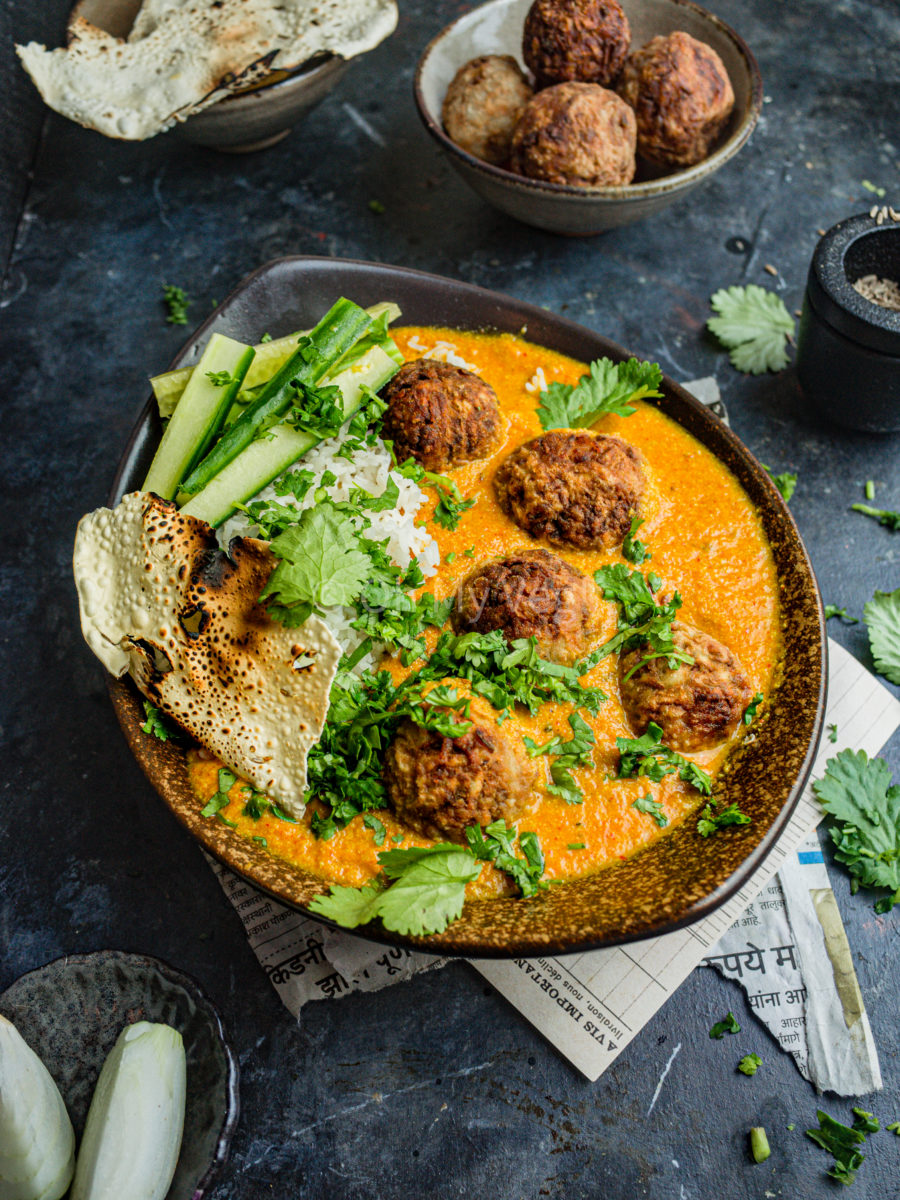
(672, 182)
(480, 931)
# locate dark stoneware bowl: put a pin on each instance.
(848, 348)
(680, 878)
(71, 1011)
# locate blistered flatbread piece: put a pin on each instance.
(180, 57)
(160, 600)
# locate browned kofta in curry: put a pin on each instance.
(440, 785)
(584, 40)
(572, 488)
(578, 134)
(531, 594)
(440, 415)
(681, 96)
(697, 705)
(484, 101)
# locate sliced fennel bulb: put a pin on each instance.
(133, 1131)
(37, 1142)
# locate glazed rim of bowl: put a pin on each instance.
(680, 877)
(316, 65)
(647, 187)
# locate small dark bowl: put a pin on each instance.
(678, 879)
(848, 348)
(71, 1011)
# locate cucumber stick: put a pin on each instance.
(338, 330)
(199, 415)
(168, 387)
(276, 450)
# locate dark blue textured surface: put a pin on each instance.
(435, 1087)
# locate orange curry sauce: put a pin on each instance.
(706, 541)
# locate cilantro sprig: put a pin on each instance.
(608, 387)
(863, 806)
(219, 799)
(642, 621)
(633, 549)
(566, 754)
(451, 502)
(646, 757)
(754, 325)
(884, 516)
(424, 887)
(159, 725)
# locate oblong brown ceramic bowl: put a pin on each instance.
(678, 879)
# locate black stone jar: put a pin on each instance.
(848, 348)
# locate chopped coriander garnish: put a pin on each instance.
(378, 830)
(864, 1121)
(870, 489)
(158, 724)
(894, 1127)
(266, 337)
(262, 841)
(646, 757)
(832, 610)
(832, 733)
(451, 503)
(449, 558)
(632, 549)
(884, 516)
(711, 821)
(576, 752)
(642, 622)
(608, 387)
(842, 1141)
(759, 1144)
(470, 552)
(226, 781)
(786, 482)
(750, 710)
(863, 806)
(219, 378)
(728, 1025)
(176, 302)
(575, 846)
(495, 843)
(749, 1064)
(377, 207)
(653, 808)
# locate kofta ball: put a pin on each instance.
(575, 40)
(697, 705)
(531, 594)
(572, 488)
(440, 785)
(483, 103)
(576, 133)
(440, 415)
(681, 95)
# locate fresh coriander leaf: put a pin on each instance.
(428, 895)
(376, 207)
(754, 325)
(728, 1025)
(759, 1144)
(607, 388)
(749, 1064)
(642, 622)
(647, 757)
(635, 551)
(219, 378)
(576, 752)
(470, 552)
(378, 830)
(864, 1121)
(750, 710)
(710, 821)
(159, 725)
(449, 509)
(226, 781)
(262, 841)
(832, 733)
(575, 846)
(786, 482)
(316, 410)
(864, 810)
(321, 564)
(348, 906)
(266, 337)
(841, 1141)
(832, 610)
(894, 1127)
(449, 558)
(495, 843)
(176, 302)
(884, 516)
(653, 808)
(882, 618)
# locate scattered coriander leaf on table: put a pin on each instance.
(894, 1127)
(832, 610)
(607, 388)
(754, 325)
(786, 482)
(842, 1142)
(884, 516)
(832, 733)
(728, 1025)
(749, 1064)
(176, 302)
(865, 1121)
(882, 618)
(864, 810)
